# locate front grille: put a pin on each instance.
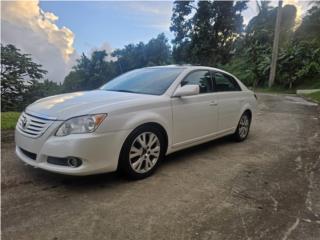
(32, 126)
(31, 155)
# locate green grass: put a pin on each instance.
(9, 120)
(314, 96)
(275, 89)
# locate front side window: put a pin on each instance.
(154, 81)
(201, 78)
(224, 83)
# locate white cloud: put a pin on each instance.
(34, 31)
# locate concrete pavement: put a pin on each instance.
(267, 187)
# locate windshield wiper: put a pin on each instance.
(128, 91)
(120, 90)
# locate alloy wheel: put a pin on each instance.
(144, 152)
(244, 126)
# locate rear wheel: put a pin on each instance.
(243, 127)
(142, 152)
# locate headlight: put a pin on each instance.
(83, 124)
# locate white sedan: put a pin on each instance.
(133, 121)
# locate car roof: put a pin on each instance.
(170, 66)
(190, 67)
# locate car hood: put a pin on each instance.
(69, 105)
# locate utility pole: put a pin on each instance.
(275, 46)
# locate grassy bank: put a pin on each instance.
(314, 96)
(275, 89)
(9, 120)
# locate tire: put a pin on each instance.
(243, 127)
(142, 152)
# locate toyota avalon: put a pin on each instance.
(134, 120)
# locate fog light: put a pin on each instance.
(74, 162)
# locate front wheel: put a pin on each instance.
(243, 127)
(142, 152)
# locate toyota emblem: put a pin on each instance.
(24, 122)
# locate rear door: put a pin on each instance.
(195, 116)
(230, 98)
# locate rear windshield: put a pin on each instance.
(153, 81)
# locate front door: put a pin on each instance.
(195, 117)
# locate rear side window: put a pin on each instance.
(225, 83)
(201, 78)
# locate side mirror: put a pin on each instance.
(187, 90)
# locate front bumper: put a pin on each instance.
(98, 151)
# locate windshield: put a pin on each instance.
(153, 81)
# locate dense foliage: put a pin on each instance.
(206, 34)
(298, 60)
(19, 74)
(89, 73)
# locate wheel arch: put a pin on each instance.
(249, 112)
(148, 123)
(247, 108)
(156, 124)
(161, 129)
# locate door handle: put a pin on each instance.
(213, 103)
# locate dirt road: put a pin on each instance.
(267, 187)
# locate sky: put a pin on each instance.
(115, 23)
(56, 33)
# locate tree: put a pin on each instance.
(227, 28)
(202, 34)
(181, 26)
(132, 56)
(254, 48)
(208, 37)
(261, 27)
(18, 73)
(298, 63)
(39, 90)
(309, 28)
(89, 73)
(74, 81)
(158, 51)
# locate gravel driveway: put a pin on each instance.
(267, 187)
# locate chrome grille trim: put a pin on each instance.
(32, 126)
(41, 116)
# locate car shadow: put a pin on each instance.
(54, 180)
(183, 155)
